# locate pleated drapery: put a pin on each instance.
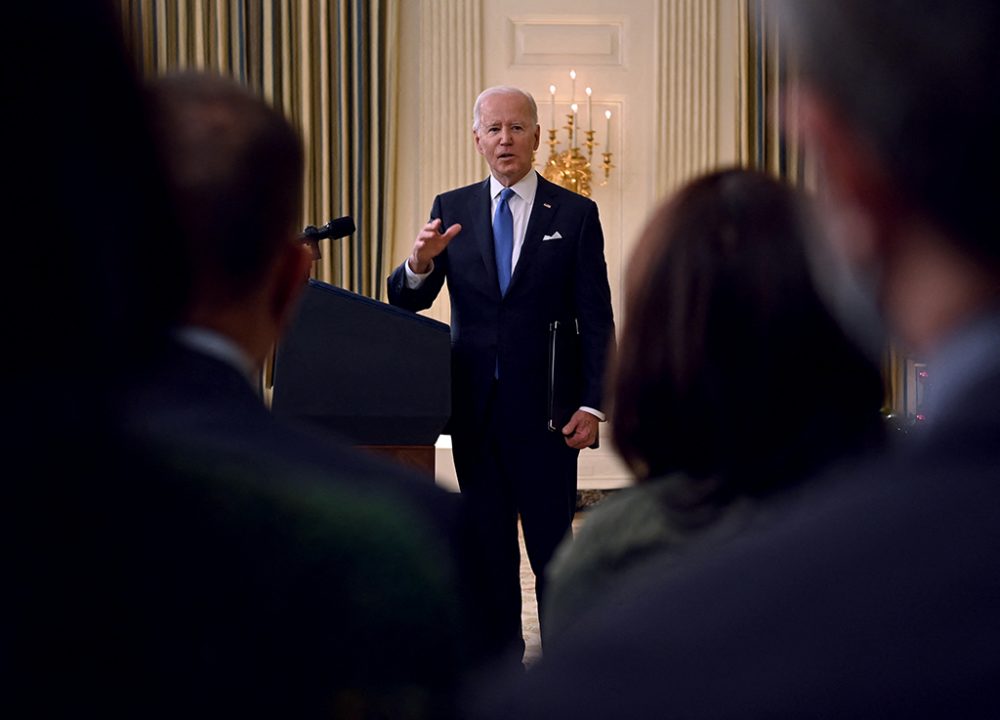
(687, 91)
(330, 67)
(451, 75)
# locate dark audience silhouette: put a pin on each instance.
(732, 384)
(226, 566)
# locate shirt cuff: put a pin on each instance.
(596, 413)
(415, 280)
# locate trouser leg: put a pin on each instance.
(541, 470)
(490, 503)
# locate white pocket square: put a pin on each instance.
(554, 236)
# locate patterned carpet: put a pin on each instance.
(529, 608)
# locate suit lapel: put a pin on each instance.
(483, 231)
(542, 212)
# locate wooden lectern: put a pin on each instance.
(367, 372)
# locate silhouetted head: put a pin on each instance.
(898, 104)
(917, 82)
(729, 365)
(237, 170)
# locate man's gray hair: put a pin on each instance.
(503, 90)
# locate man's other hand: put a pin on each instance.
(581, 430)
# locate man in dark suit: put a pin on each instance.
(518, 253)
(877, 592)
(343, 577)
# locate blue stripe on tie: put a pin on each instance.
(503, 239)
(503, 247)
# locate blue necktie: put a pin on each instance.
(503, 239)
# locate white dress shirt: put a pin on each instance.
(520, 207)
(218, 346)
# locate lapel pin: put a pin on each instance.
(547, 205)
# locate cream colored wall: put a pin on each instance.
(667, 69)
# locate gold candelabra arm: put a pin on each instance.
(590, 144)
(606, 165)
(551, 165)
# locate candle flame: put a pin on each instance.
(552, 89)
(574, 106)
(607, 114)
(572, 74)
(589, 91)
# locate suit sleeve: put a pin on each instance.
(594, 313)
(421, 298)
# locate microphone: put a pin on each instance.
(335, 229)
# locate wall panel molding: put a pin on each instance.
(565, 41)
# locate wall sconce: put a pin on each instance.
(571, 168)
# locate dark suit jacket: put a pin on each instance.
(561, 279)
(204, 403)
(246, 567)
(875, 594)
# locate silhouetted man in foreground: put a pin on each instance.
(307, 576)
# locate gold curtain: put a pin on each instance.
(767, 142)
(330, 67)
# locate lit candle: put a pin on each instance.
(574, 108)
(572, 86)
(590, 111)
(607, 131)
(552, 106)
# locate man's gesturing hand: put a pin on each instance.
(429, 244)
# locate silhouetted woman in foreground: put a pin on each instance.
(733, 383)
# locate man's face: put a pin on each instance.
(506, 137)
